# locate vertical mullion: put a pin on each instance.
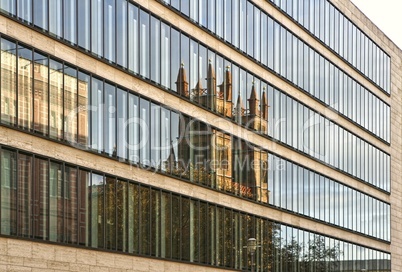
(115, 39)
(89, 218)
(139, 219)
(32, 121)
(171, 224)
(102, 27)
(103, 110)
(1, 164)
(90, 29)
(77, 103)
(127, 213)
(63, 202)
(104, 211)
(115, 147)
(115, 214)
(32, 229)
(149, 222)
(180, 228)
(16, 123)
(77, 191)
(62, 103)
(0, 102)
(127, 130)
(77, 203)
(17, 232)
(48, 200)
(76, 37)
(127, 42)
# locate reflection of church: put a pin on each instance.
(213, 158)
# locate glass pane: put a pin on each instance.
(70, 17)
(56, 99)
(144, 144)
(109, 121)
(133, 41)
(24, 9)
(97, 115)
(121, 32)
(155, 130)
(144, 44)
(83, 109)
(25, 111)
(41, 13)
(110, 196)
(83, 22)
(41, 199)
(165, 55)
(70, 104)
(133, 129)
(155, 50)
(122, 124)
(122, 215)
(41, 95)
(84, 187)
(97, 211)
(8, 6)
(109, 30)
(56, 207)
(8, 81)
(8, 192)
(55, 17)
(70, 204)
(97, 27)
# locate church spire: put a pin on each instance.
(228, 84)
(239, 110)
(264, 105)
(253, 102)
(181, 83)
(211, 86)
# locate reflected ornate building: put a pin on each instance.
(213, 158)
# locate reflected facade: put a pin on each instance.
(251, 143)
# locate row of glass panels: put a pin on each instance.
(274, 46)
(78, 206)
(135, 40)
(56, 99)
(333, 28)
(293, 123)
(300, 190)
(72, 106)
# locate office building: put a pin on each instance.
(205, 135)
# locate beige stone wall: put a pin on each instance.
(20, 255)
(395, 101)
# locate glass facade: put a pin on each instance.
(85, 113)
(339, 33)
(275, 47)
(78, 206)
(42, 198)
(149, 49)
(93, 114)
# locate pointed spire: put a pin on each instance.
(211, 79)
(264, 105)
(198, 88)
(211, 86)
(211, 71)
(171, 160)
(239, 109)
(181, 83)
(253, 102)
(228, 84)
